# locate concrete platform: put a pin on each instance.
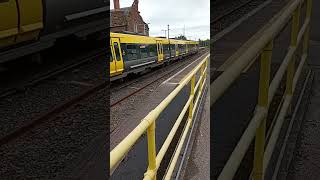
(305, 162)
(198, 166)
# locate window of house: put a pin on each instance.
(135, 27)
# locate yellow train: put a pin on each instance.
(135, 53)
(29, 26)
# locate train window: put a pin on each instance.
(117, 50)
(166, 48)
(132, 53)
(143, 51)
(172, 47)
(152, 50)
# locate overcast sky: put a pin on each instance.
(193, 14)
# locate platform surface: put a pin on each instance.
(305, 162)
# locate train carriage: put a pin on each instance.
(29, 26)
(135, 53)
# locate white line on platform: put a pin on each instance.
(166, 81)
(132, 87)
(171, 83)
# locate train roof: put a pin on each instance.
(130, 38)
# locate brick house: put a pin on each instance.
(127, 19)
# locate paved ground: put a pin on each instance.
(198, 163)
(198, 160)
(306, 160)
(306, 157)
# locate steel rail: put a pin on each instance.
(47, 116)
(230, 11)
(35, 81)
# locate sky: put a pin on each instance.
(194, 15)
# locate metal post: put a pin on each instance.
(307, 33)
(169, 43)
(294, 38)
(201, 76)
(151, 133)
(193, 82)
(168, 32)
(265, 64)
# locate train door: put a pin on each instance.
(112, 60)
(8, 22)
(116, 61)
(177, 49)
(31, 19)
(160, 51)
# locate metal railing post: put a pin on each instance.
(151, 133)
(265, 64)
(193, 82)
(294, 39)
(307, 33)
(201, 76)
(207, 64)
(309, 8)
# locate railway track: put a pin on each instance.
(230, 11)
(50, 123)
(49, 115)
(50, 74)
(50, 94)
(53, 147)
(153, 81)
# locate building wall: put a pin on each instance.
(135, 21)
(118, 21)
(131, 22)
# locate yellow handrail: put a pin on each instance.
(264, 46)
(148, 124)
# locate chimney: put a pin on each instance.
(116, 4)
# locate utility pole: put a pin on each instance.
(168, 32)
(169, 42)
(184, 30)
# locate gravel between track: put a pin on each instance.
(48, 149)
(22, 108)
(223, 23)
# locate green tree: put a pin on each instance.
(182, 37)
